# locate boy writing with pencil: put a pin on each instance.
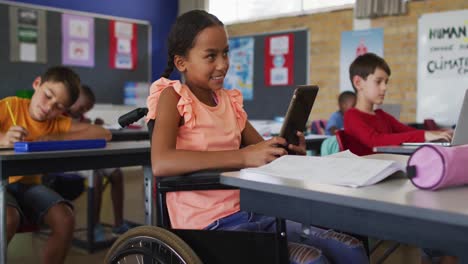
(40, 118)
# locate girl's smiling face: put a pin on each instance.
(206, 64)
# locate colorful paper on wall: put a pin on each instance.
(135, 93)
(77, 40)
(279, 60)
(123, 45)
(27, 35)
(355, 43)
(240, 74)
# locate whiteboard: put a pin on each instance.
(442, 65)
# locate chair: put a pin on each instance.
(203, 180)
(347, 142)
(430, 124)
(318, 126)
(162, 243)
(416, 125)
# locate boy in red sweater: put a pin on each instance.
(369, 75)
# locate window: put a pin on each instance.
(233, 11)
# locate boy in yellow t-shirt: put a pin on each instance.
(40, 118)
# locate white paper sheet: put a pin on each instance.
(344, 169)
(28, 52)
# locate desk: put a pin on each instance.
(115, 154)
(267, 128)
(314, 142)
(403, 150)
(129, 134)
(393, 209)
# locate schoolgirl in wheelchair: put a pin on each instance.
(201, 126)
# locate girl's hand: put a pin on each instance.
(264, 152)
(14, 134)
(301, 148)
(443, 135)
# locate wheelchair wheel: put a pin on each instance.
(150, 244)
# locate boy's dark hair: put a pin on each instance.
(183, 33)
(345, 96)
(365, 65)
(64, 75)
(88, 92)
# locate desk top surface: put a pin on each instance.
(129, 134)
(395, 195)
(316, 137)
(404, 150)
(111, 148)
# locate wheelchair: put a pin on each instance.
(161, 244)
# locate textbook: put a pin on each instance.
(59, 145)
(344, 168)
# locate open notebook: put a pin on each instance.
(344, 168)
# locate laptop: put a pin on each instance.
(460, 134)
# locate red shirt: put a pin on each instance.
(380, 129)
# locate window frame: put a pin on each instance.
(302, 12)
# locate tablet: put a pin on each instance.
(298, 112)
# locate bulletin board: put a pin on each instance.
(272, 101)
(442, 66)
(107, 82)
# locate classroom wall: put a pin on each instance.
(160, 13)
(400, 50)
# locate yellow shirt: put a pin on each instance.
(20, 109)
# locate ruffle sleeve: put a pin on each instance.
(237, 102)
(184, 106)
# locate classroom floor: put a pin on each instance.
(26, 247)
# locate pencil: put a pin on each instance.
(13, 119)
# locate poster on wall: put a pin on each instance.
(123, 45)
(77, 40)
(27, 35)
(355, 43)
(135, 93)
(442, 65)
(240, 74)
(279, 60)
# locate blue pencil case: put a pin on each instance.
(59, 145)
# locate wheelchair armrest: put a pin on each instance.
(197, 181)
(201, 180)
